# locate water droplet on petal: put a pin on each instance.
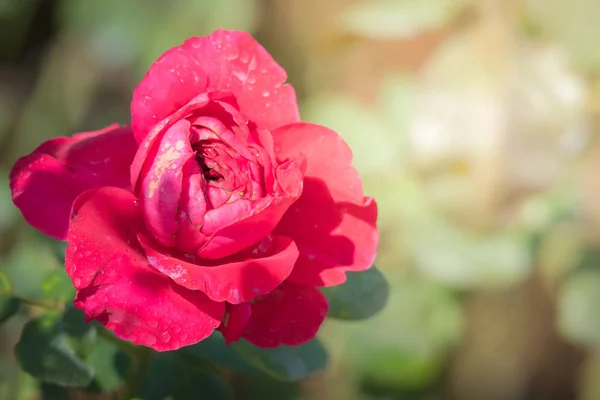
(241, 75)
(253, 64)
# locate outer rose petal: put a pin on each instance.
(333, 224)
(237, 279)
(328, 158)
(290, 315)
(225, 61)
(116, 286)
(235, 321)
(45, 183)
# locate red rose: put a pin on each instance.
(218, 209)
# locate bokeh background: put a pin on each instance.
(473, 122)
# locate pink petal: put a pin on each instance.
(328, 158)
(236, 279)
(45, 183)
(225, 61)
(115, 284)
(173, 80)
(262, 219)
(247, 230)
(226, 231)
(290, 315)
(147, 145)
(235, 321)
(332, 239)
(162, 183)
(332, 223)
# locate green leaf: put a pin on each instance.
(215, 350)
(169, 376)
(58, 286)
(80, 335)
(9, 305)
(361, 296)
(104, 358)
(44, 352)
(285, 362)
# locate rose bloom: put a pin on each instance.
(216, 209)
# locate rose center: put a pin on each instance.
(209, 173)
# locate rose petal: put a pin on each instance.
(245, 231)
(290, 315)
(45, 183)
(147, 147)
(261, 220)
(332, 222)
(237, 279)
(332, 238)
(225, 61)
(162, 183)
(173, 80)
(117, 287)
(328, 158)
(235, 321)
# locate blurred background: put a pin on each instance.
(473, 122)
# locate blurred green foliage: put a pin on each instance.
(473, 123)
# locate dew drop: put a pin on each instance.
(253, 64)
(233, 54)
(241, 75)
